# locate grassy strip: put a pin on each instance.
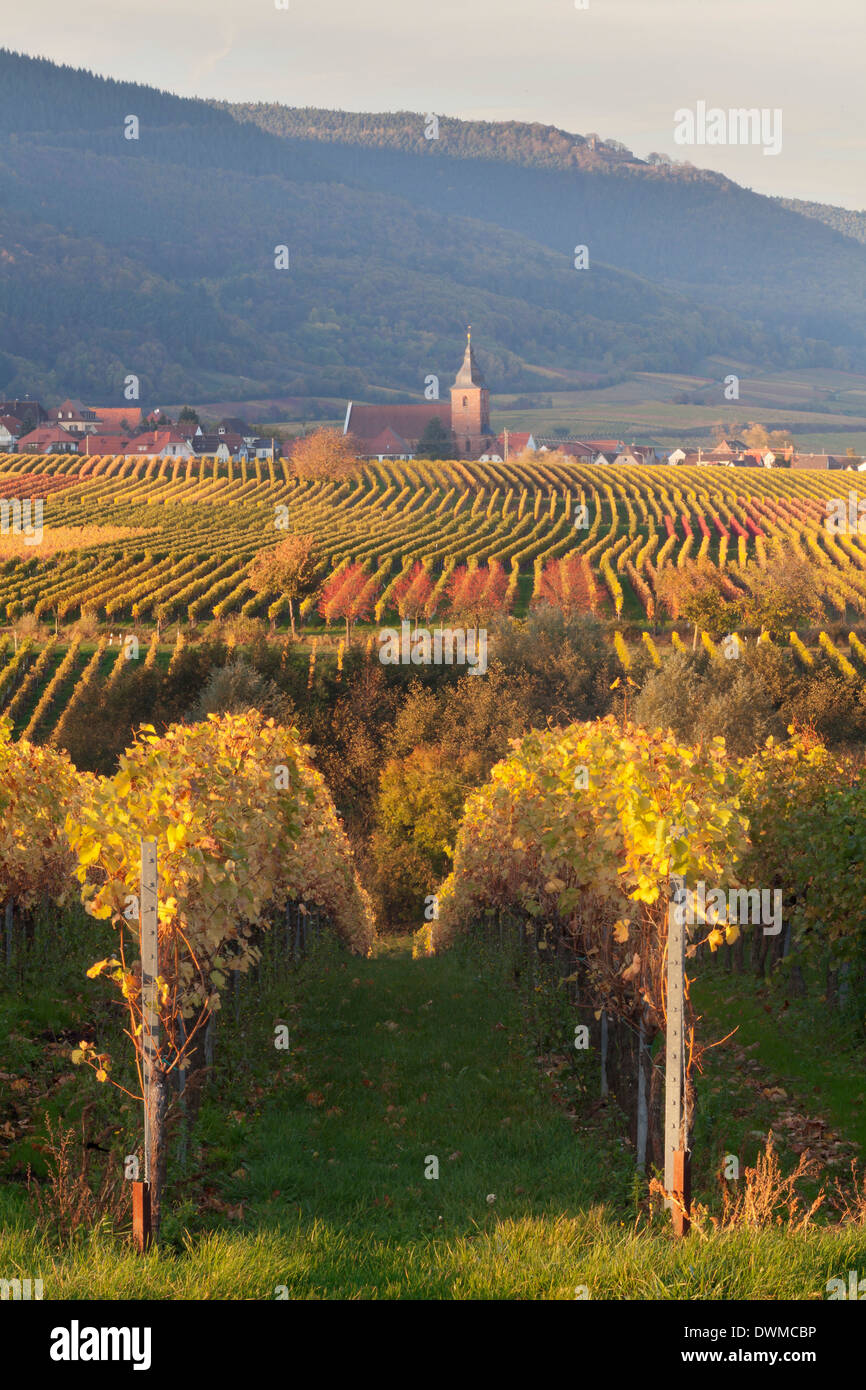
(307, 1169)
(814, 1053)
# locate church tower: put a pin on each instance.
(470, 406)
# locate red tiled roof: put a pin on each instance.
(408, 421)
(115, 418)
(49, 434)
(387, 442)
(154, 442)
(518, 440)
(94, 444)
(574, 448)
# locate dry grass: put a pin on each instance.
(767, 1197)
(58, 539)
(74, 1197)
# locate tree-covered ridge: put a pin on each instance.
(156, 255)
(518, 142)
(844, 220)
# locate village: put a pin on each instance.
(458, 427)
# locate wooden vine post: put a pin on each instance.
(677, 1155)
(146, 1194)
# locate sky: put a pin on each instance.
(620, 68)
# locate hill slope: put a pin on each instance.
(156, 255)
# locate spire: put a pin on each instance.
(470, 373)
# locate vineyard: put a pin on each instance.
(155, 542)
(524, 838)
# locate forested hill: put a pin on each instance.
(156, 255)
(845, 220)
(533, 145)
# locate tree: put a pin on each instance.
(188, 414)
(436, 442)
(413, 592)
(325, 454)
(475, 594)
(695, 592)
(349, 594)
(567, 585)
(756, 437)
(783, 597)
(418, 813)
(289, 569)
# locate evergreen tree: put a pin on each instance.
(436, 442)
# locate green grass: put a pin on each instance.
(307, 1168)
(813, 1052)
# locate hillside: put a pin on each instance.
(156, 255)
(845, 220)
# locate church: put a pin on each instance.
(393, 431)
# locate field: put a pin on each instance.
(822, 410)
(194, 528)
(426, 898)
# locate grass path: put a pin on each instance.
(309, 1167)
(400, 1068)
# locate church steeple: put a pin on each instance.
(470, 405)
(470, 373)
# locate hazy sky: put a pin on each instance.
(621, 68)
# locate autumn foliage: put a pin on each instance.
(325, 454)
(36, 786)
(351, 594)
(412, 594)
(288, 571)
(581, 830)
(479, 594)
(568, 584)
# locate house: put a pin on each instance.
(49, 439)
(30, 413)
(572, 448)
(578, 449)
(387, 444)
(637, 456)
(601, 457)
(94, 444)
(606, 446)
(76, 417)
(11, 430)
(169, 443)
(812, 463)
(254, 448)
(220, 447)
(511, 443)
(677, 456)
(234, 425)
(725, 449)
